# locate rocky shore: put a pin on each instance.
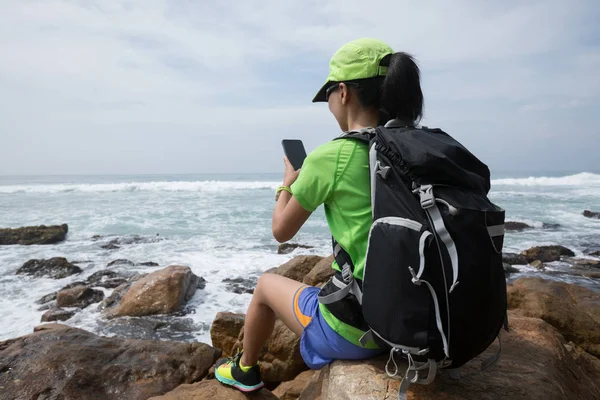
(551, 352)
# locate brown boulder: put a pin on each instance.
(286, 248)
(161, 292)
(56, 268)
(280, 358)
(573, 310)
(59, 362)
(320, 273)
(34, 235)
(298, 267)
(547, 253)
(212, 390)
(57, 314)
(78, 296)
(225, 330)
(535, 364)
(291, 390)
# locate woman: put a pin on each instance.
(368, 84)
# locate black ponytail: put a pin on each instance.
(401, 95)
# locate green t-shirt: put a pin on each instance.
(336, 175)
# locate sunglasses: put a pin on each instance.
(331, 88)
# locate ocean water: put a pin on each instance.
(219, 226)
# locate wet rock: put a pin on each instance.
(591, 214)
(59, 362)
(56, 268)
(106, 279)
(595, 253)
(212, 390)
(225, 330)
(34, 235)
(537, 264)
(547, 253)
(320, 273)
(280, 358)
(291, 390)
(298, 267)
(509, 269)
(549, 226)
(115, 297)
(78, 296)
(161, 292)
(583, 263)
(286, 248)
(533, 352)
(514, 259)
(149, 264)
(110, 246)
(120, 262)
(201, 283)
(572, 309)
(57, 314)
(47, 298)
(240, 285)
(159, 327)
(516, 226)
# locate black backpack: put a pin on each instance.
(434, 288)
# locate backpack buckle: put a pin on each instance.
(382, 170)
(426, 196)
(347, 273)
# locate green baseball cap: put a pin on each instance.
(358, 59)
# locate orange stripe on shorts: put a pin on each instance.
(303, 319)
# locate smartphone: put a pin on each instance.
(294, 151)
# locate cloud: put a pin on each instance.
(168, 86)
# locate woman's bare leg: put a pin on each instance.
(272, 299)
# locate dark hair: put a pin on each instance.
(396, 95)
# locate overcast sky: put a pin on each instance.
(159, 86)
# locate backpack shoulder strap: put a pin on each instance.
(364, 135)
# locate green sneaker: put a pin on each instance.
(229, 372)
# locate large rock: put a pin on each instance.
(591, 214)
(57, 268)
(547, 253)
(78, 296)
(280, 358)
(536, 364)
(573, 310)
(291, 390)
(161, 292)
(298, 267)
(516, 226)
(212, 390)
(225, 330)
(59, 362)
(320, 273)
(34, 235)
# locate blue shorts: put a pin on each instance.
(319, 344)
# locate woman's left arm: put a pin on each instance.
(289, 215)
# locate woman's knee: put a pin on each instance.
(264, 283)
